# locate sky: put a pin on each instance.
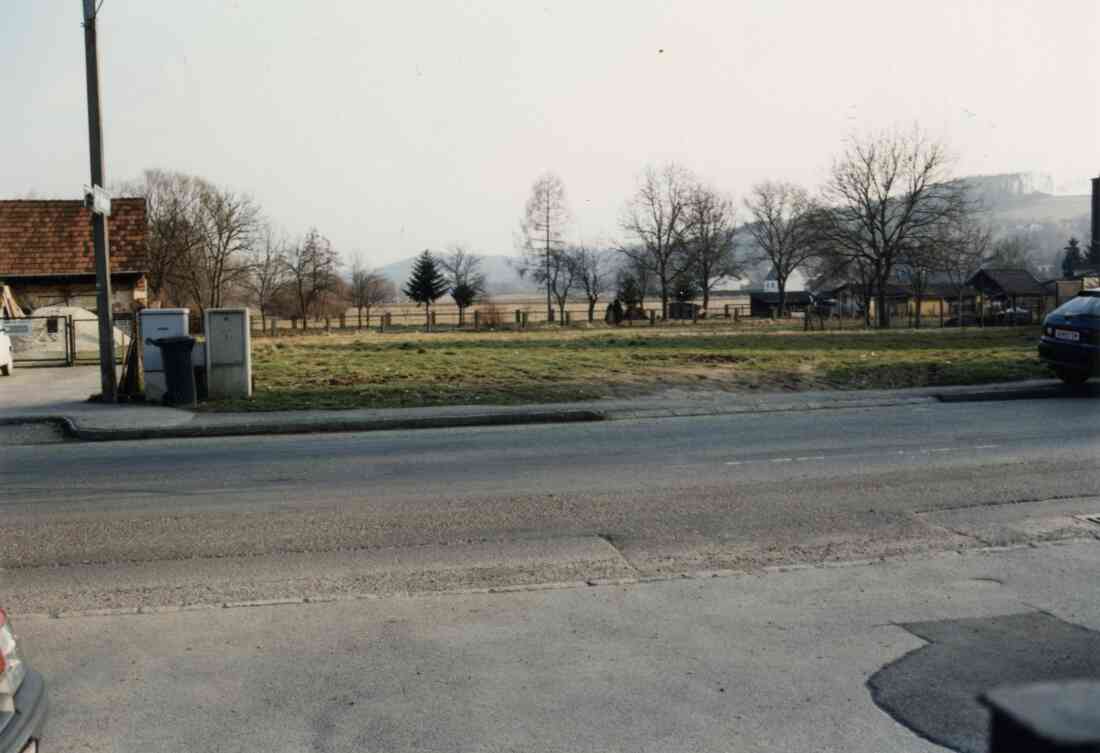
(398, 126)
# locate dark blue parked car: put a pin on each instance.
(1070, 343)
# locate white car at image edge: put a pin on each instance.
(6, 356)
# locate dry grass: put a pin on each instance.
(413, 369)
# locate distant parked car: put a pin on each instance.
(22, 697)
(965, 320)
(1013, 317)
(7, 357)
(1070, 341)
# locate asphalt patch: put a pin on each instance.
(31, 432)
(934, 690)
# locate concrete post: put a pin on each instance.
(1045, 717)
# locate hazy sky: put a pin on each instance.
(409, 124)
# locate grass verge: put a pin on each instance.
(370, 370)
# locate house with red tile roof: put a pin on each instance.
(47, 257)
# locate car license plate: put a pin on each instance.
(1067, 334)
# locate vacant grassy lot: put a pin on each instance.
(391, 370)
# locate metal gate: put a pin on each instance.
(42, 339)
(63, 340)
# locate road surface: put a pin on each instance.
(606, 630)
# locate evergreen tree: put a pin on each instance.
(426, 284)
(629, 292)
(1072, 259)
(464, 295)
(1092, 257)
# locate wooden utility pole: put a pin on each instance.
(108, 378)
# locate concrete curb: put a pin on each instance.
(256, 424)
(74, 430)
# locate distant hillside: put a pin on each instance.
(501, 275)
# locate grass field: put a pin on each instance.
(394, 370)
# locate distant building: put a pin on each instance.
(796, 282)
(47, 258)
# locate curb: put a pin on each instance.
(183, 431)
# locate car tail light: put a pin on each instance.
(11, 666)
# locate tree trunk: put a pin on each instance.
(916, 318)
(360, 310)
(561, 313)
(782, 285)
(591, 309)
(461, 316)
(706, 298)
(427, 317)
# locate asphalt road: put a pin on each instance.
(552, 611)
(651, 497)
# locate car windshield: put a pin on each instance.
(1084, 305)
(663, 376)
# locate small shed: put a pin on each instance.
(1010, 288)
(765, 304)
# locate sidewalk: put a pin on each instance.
(63, 401)
(878, 658)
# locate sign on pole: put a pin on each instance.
(98, 199)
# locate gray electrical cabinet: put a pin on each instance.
(228, 353)
(154, 324)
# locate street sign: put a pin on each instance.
(98, 199)
(16, 328)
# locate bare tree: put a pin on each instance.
(171, 203)
(960, 245)
(711, 224)
(312, 264)
(783, 230)
(542, 231)
(887, 193)
(267, 276)
(657, 217)
(557, 273)
(368, 288)
(463, 272)
(225, 226)
(592, 272)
